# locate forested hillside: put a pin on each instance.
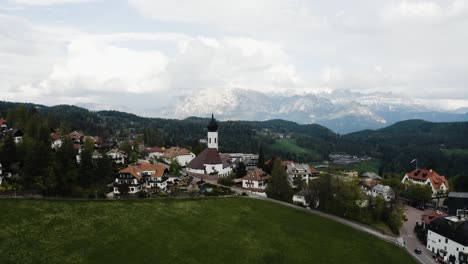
(441, 146)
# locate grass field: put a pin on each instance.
(371, 165)
(225, 230)
(455, 151)
(289, 146)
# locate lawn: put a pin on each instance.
(287, 145)
(371, 165)
(222, 230)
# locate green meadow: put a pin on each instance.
(219, 230)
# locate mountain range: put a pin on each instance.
(342, 111)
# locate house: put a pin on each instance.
(368, 183)
(300, 172)
(56, 140)
(438, 183)
(142, 176)
(431, 215)
(256, 180)
(209, 161)
(17, 135)
(384, 191)
(302, 197)
(117, 156)
(457, 203)
(3, 124)
(371, 175)
(155, 152)
(77, 137)
(182, 155)
(447, 237)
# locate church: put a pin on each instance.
(209, 161)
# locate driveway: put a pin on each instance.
(411, 241)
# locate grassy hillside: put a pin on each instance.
(231, 230)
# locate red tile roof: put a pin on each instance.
(314, 171)
(432, 215)
(173, 152)
(155, 149)
(422, 174)
(75, 135)
(256, 175)
(138, 168)
(55, 136)
(2, 121)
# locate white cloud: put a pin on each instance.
(177, 47)
(46, 2)
(423, 10)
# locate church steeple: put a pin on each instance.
(212, 125)
(212, 133)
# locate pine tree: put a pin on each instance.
(261, 157)
(8, 152)
(86, 172)
(278, 186)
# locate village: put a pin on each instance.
(439, 221)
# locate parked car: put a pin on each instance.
(417, 251)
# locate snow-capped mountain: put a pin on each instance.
(342, 111)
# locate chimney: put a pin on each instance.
(430, 170)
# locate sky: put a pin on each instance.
(147, 53)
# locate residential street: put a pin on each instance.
(411, 241)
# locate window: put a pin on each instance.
(210, 140)
(215, 140)
(446, 240)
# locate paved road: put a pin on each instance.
(411, 241)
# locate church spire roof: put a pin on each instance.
(212, 125)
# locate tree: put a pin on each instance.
(36, 165)
(241, 170)
(278, 186)
(104, 169)
(261, 157)
(65, 167)
(174, 167)
(395, 219)
(8, 152)
(86, 172)
(123, 189)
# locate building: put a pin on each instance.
(457, 203)
(142, 176)
(300, 172)
(302, 197)
(447, 237)
(117, 156)
(371, 175)
(209, 161)
(56, 140)
(182, 155)
(3, 124)
(77, 137)
(17, 135)
(431, 215)
(438, 183)
(384, 191)
(256, 180)
(155, 152)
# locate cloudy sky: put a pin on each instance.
(148, 52)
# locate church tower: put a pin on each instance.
(213, 133)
